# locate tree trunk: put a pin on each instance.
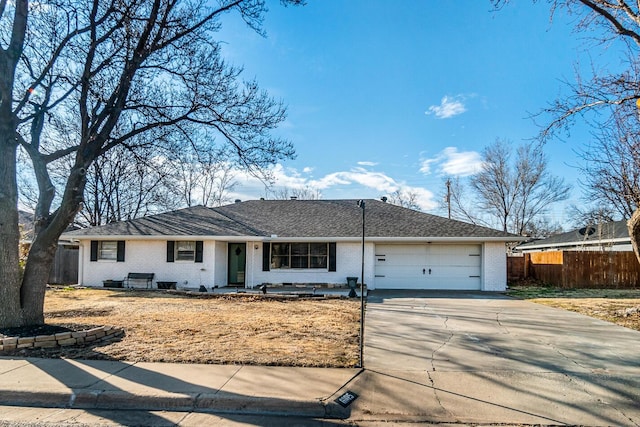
(634, 232)
(10, 276)
(10, 309)
(34, 283)
(43, 249)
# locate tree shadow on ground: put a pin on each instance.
(103, 388)
(486, 350)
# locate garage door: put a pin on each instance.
(455, 267)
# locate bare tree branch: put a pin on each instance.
(101, 75)
(516, 191)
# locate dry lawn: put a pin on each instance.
(619, 306)
(163, 327)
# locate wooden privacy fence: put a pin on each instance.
(584, 269)
(65, 266)
(515, 268)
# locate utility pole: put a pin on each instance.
(448, 197)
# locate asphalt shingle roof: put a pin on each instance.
(585, 235)
(296, 218)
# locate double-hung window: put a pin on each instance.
(108, 250)
(185, 250)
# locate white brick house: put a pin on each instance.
(257, 242)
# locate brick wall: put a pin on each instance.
(149, 256)
(494, 267)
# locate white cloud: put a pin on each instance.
(424, 198)
(331, 180)
(367, 163)
(425, 168)
(372, 180)
(461, 163)
(355, 183)
(450, 161)
(449, 107)
(289, 177)
(250, 187)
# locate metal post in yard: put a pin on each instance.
(361, 205)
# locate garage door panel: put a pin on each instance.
(467, 258)
(453, 271)
(399, 271)
(454, 267)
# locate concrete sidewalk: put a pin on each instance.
(93, 384)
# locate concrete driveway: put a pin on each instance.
(486, 358)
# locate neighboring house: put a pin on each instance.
(25, 222)
(297, 242)
(609, 236)
(65, 264)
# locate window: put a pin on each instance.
(318, 255)
(108, 250)
(280, 255)
(185, 250)
(299, 255)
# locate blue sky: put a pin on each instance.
(386, 96)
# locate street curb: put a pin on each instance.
(36, 399)
(181, 402)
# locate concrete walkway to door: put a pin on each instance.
(471, 357)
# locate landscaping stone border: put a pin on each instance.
(62, 339)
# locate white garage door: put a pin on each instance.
(433, 266)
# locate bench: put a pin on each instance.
(147, 278)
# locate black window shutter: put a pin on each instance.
(170, 250)
(332, 256)
(266, 256)
(120, 253)
(199, 250)
(94, 250)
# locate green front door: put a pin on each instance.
(237, 262)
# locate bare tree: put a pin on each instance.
(590, 215)
(118, 188)
(512, 191)
(455, 199)
(542, 227)
(604, 93)
(611, 167)
(405, 198)
(516, 191)
(203, 177)
(78, 78)
(301, 193)
(495, 185)
(13, 42)
(218, 183)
